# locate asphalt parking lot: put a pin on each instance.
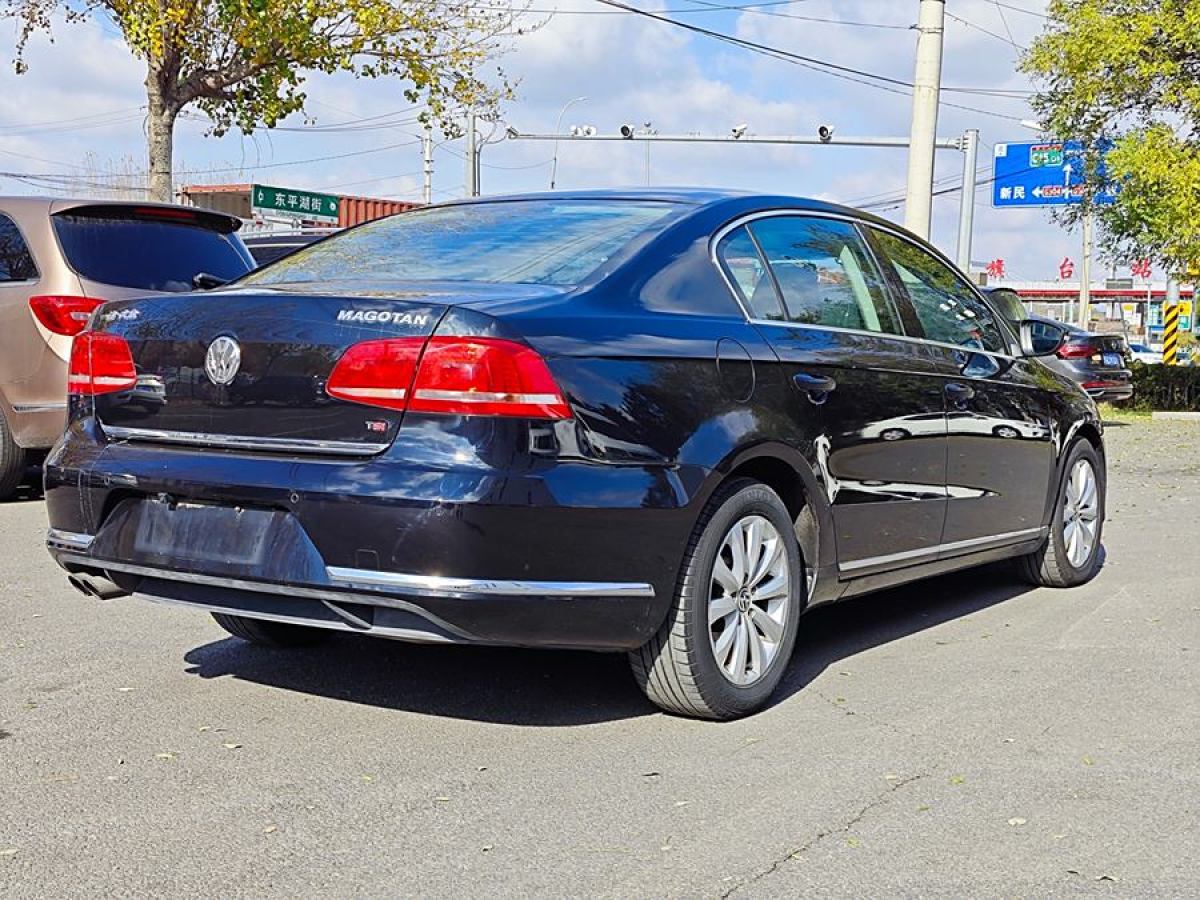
(964, 736)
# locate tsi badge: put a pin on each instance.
(223, 360)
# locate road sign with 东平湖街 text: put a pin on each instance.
(293, 204)
(1042, 173)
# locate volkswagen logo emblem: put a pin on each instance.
(223, 360)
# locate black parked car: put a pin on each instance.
(659, 422)
(1098, 363)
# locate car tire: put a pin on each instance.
(13, 461)
(678, 668)
(1063, 561)
(270, 634)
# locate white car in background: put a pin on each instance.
(1146, 354)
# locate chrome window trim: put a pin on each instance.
(1008, 537)
(242, 442)
(841, 217)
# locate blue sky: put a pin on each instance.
(78, 110)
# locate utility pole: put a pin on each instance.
(472, 154)
(927, 82)
(1085, 273)
(966, 209)
(427, 169)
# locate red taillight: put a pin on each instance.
(1074, 351)
(63, 314)
(378, 373)
(100, 364)
(452, 376)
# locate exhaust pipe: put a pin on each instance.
(96, 586)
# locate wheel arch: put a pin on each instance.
(785, 470)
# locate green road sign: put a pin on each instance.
(293, 204)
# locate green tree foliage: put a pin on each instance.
(1129, 71)
(243, 62)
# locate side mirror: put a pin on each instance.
(1041, 338)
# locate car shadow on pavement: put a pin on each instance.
(551, 688)
(831, 634)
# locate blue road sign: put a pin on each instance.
(1041, 173)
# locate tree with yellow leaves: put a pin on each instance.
(243, 62)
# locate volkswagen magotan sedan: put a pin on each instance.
(665, 423)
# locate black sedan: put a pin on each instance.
(665, 423)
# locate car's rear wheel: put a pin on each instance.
(1071, 553)
(270, 634)
(13, 461)
(727, 638)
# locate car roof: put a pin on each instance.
(738, 201)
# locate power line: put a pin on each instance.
(1007, 40)
(847, 73)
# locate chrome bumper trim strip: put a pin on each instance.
(435, 584)
(242, 442)
(39, 407)
(68, 540)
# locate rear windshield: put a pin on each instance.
(151, 254)
(554, 242)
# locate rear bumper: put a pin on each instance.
(1108, 392)
(569, 555)
(36, 426)
(421, 608)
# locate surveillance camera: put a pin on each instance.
(627, 131)
(738, 130)
(589, 130)
(512, 132)
(825, 133)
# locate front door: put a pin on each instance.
(1001, 455)
(865, 402)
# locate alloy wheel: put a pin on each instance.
(1081, 512)
(749, 597)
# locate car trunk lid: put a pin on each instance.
(245, 368)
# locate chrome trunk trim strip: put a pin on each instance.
(242, 442)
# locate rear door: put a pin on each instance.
(866, 393)
(998, 416)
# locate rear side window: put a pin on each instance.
(740, 257)
(552, 242)
(118, 247)
(16, 262)
(825, 273)
(949, 311)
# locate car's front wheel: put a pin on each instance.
(270, 634)
(727, 638)
(1071, 554)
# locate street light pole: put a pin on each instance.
(927, 80)
(966, 209)
(557, 128)
(427, 165)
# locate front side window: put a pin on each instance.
(551, 242)
(824, 273)
(16, 262)
(948, 310)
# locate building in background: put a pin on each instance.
(1117, 305)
